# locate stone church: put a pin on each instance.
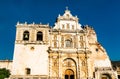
(67, 50)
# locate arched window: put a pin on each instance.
(26, 35)
(39, 36)
(28, 71)
(68, 43)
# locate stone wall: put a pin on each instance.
(6, 64)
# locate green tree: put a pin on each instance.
(4, 73)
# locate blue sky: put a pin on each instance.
(102, 15)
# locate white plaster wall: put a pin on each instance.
(36, 59)
(6, 64)
(76, 26)
(102, 63)
(99, 57)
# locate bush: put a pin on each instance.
(4, 73)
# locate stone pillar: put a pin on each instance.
(60, 65)
(50, 63)
(78, 66)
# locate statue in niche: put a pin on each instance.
(55, 37)
(83, 63)
(81, 38)
(62, 41)
(82, 44)
(55, 44)
(55, 62)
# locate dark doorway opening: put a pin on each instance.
(69, 74)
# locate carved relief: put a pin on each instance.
(55, 37)
(68, 63)
(63, 26)
(55, 65)
(55, 44)
(55, 41)
(83, 63)
(68, 26)
(81, 41)
(82, 44)
(73, 27)
(62, 41)
(82, 73)
(81, 38)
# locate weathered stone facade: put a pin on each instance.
(116, 67)
(67, 50)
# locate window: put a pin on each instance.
(97, 49)
(63, 26)
(73, 27)
(81, 38)
(68, 26)
(39, 36)
(28, 71)
(67, 15)
(26, 35)
(68, 43)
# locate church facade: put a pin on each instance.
(67, 50)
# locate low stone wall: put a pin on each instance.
(6, 64)
(28, 77)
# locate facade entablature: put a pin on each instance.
(68, 31)
(64, 49)
(102, 68)
(20, 25)
(62, 31)
(68, 18)
(67, 25)
(31, 42)
(80, 51)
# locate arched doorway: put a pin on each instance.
(69, 69)
(106, 76)
(69, 74)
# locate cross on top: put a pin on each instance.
(66, 7)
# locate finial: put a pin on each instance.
(66, 7)
(33, 23)
(18, 23)
(59, 15)
(25, 22)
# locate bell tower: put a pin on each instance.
(30, 51)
